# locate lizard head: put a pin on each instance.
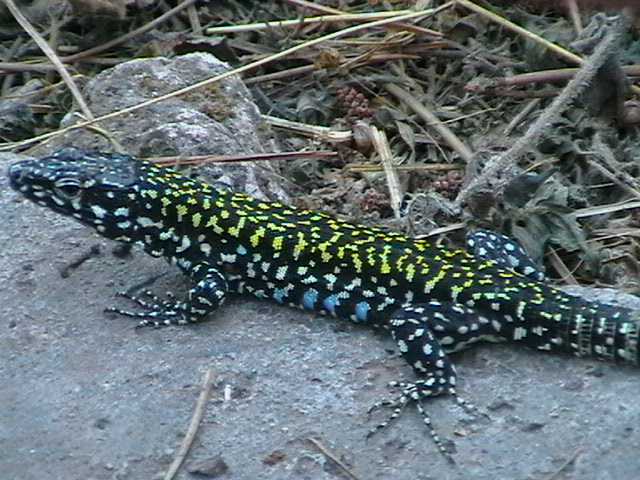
(98, 189)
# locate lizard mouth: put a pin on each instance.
(16, 173)
(21, 180)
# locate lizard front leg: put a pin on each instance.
(204, 297)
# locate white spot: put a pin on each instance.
(330, 278)
(281, 273)
(539, 330)
(184, 244)
(311, 279)
(622, 353)
(98, 211)
(205, 248)
(147, 222)
(519, 333)
(228, 257)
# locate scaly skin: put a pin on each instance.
(434, 300)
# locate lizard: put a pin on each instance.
(433, 299)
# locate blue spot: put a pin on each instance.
(240, 250)
(279, 294)
(361, 311)
(330, 303)
(309, 299)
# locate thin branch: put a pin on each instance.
(432, 120)
(198, 413)
(381, 144)
(133, 33)
(303, 22)
(557, 49)
(51, 55)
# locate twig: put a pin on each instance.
(313, 6)
(51, 55)
(304, 21)
(618, 175)
(381, 144)
(574, 15)
(448, 136)
(561, 268)
(564, 465)
(194, 20)
(347, 63)
(443, 230)
(251, 157)
(606, 209)
(541, 76)
(614, 178)
(323, 9)
(26, 67)
(133, 33)
(331, 456)
(567, 55)
(317, 132)
(518, 118)
(198, 413)
(424, 167)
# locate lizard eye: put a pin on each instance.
(68, 188)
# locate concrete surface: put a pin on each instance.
(86, 396)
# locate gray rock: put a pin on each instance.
(220, 119)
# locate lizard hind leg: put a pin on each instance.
(416, 392)
(503, 251)
(411, 328)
